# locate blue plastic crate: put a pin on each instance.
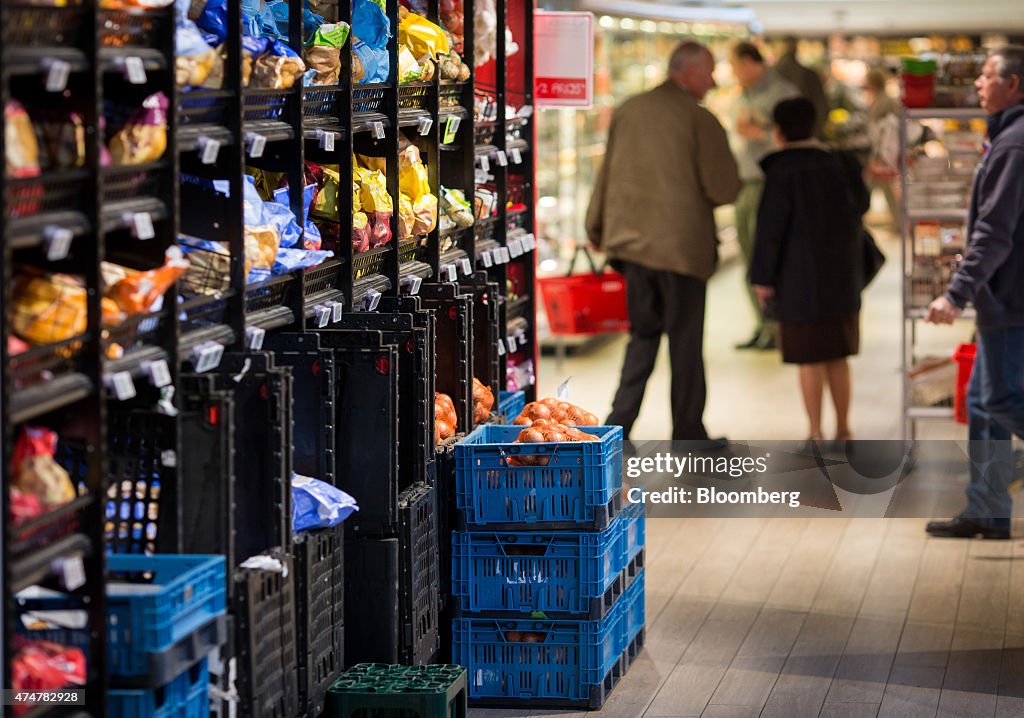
(537, 571)
(633, 608)
(511, 404)
(162, 600)
(542, 660)
(576, 480)
(187, 696)
(636, 530)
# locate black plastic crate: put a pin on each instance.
(321, 102)
(447, 513)
(265, 641)
(313, 391)
(371, 601)
(131, 27)
(366, 406)
(418, 575)
(207, 420)
(142, 459)
(369, 98)
(320, 613)
(48, 192)
(413, 95)
(487, 301)
(369, 262)
(453, 311)
(40, 26)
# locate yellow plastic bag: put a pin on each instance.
(406, 217)
(425, 212)
(422, 36)
(373, 192)
(378, 164)
(326, 204)
(413, 179)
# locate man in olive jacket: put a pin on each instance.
(667, 166)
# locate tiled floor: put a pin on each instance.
(798, 617)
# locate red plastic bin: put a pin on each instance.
(917, 90)
(964, 358)
(586, 303)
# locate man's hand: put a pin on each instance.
(942, 311)
(750, 130)
(764, 293)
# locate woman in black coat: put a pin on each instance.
(808, 255)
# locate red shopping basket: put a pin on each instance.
(964, 358)
(588, 303)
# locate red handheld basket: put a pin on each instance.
(964, 358)
(588, 303)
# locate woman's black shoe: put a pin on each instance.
(961, 527)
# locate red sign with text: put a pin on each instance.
(564, 59)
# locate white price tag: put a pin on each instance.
(337, 311)
(453, 272)
(467, 266)
(207, 356)
(505, 256)
(325, 140)
(254, 337)
(122, 385)
(425, 124)
(255, 144)
(413, 284)
(57, 73)
(515, 247)
(159, 373)
(502, 158)
(530, 241)
(372, 300)
(481, 176)
(378, 130)
(487, 258)
(57, 241)
(526, 111)
(485, 163)
(517, 156)
(142, 225)
(134, 70)
(169, 458)
(72, 572)
(501, 348)
(210, 149)
(323, 316)
(511, 341)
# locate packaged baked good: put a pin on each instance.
(425, 214)
(144, 136)
(360, 232)
(47, 308)
(323, 53)
(21, 151)
(34, 469)
(138, 292)
(61, 139)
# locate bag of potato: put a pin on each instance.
(406, 217)
(360, 232)
(138, 292)
(209, 269)
(421, 36)
(413, 178)
(425, 214)
(34, 469)
(144, 137)
(47, 308)
(323, 53)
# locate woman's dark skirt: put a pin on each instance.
(819, 341)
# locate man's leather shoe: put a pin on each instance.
(961, 527)
(750, 343)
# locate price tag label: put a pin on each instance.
(505, 256)
(378, 130)
(169, 458)
(372, 300)
(122, 385)
(57, 73)
(425, 124)
(451, 128)
(501, 348)
(451, 271)
(209, 150)
(337, 311)
(255, 144)
(323, 316)
(515, 247)
(481, 176)
(58, 242)
(142, 225)
(517, 156)
(159, 373)
(254, 337)
(326, 140)
(134, 70)
(413, 284)
(487, 258)
(511, 341)
(467, 266)
(530, 241)
(72, 572)
(207, 356)
(502, 158)
(485, 163)
(526, 111)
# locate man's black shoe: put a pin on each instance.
(961, 527)
(765, 343)
(750, 343)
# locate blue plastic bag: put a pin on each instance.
(370, 24)
(289, 259)
(318, 505)
(376, 62)
(214, 20)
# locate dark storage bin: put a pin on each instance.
(453, 311)
(418, 592)
(319, 614)
(371, 600)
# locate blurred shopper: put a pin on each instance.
(763, 88)
(991, 277)
(807, 261)
(666, 167)
(883, 129)
(806, 81)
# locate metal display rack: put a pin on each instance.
(934, 197)
(109, 385)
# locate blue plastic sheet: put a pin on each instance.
(318, 505)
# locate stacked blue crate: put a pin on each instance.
(547, 575)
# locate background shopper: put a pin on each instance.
(763, 88)
(807, 258)
(991, 277)
(884, 131)
(806, 81)
(667, 166)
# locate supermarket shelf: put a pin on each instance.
(452, 231)
(271, 130)
(514, 308)
(190, 135)
(28, 530)
(930, 412)
(59, 392)
(134, 362)
(118, 215)
(320, 299)
(312, 130)
(945, 113)
(271, 318)
(219, 333)
(112, 59)
(30, 60)
(29, 232)
(36, 567)
(412, 117)
(364, 121)
(937, 215)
